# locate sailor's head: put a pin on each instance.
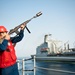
(3, 31)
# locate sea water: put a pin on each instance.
(47, 68)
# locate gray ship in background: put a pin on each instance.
(54, 50)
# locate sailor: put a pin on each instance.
(8, 64)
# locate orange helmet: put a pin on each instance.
(3, 29)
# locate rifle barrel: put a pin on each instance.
(17, 27)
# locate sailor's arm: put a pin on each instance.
(20, 36)
(4, 42)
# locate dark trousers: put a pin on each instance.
(12, 70)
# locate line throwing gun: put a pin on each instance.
(15, 30)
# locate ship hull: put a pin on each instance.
(69, 59)
(55, 58)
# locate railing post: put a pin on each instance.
(23, 67)
(18, 64)
(34, 65)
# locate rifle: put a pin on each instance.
(15, 30)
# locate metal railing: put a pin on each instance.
(23, 65)
(36, 67)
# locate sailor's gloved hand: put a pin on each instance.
(23, 26)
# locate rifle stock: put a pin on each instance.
(15, 30)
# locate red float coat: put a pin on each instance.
(8, 57)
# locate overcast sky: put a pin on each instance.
(58, 19)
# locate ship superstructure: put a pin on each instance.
(51, 46)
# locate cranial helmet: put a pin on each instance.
(3, 29)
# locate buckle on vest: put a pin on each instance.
(7, 50)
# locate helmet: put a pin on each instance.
(3, 29)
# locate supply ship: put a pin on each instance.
(54, 50)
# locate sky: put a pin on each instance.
(58, 19)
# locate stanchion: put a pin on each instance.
(34, 65)
(23, 67)
(18, 64)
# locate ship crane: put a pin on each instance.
(56, 48)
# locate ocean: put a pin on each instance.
(47, 68)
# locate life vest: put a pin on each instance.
(7, 57)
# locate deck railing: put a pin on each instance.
(36, 67)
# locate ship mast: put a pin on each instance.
(46, 37)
